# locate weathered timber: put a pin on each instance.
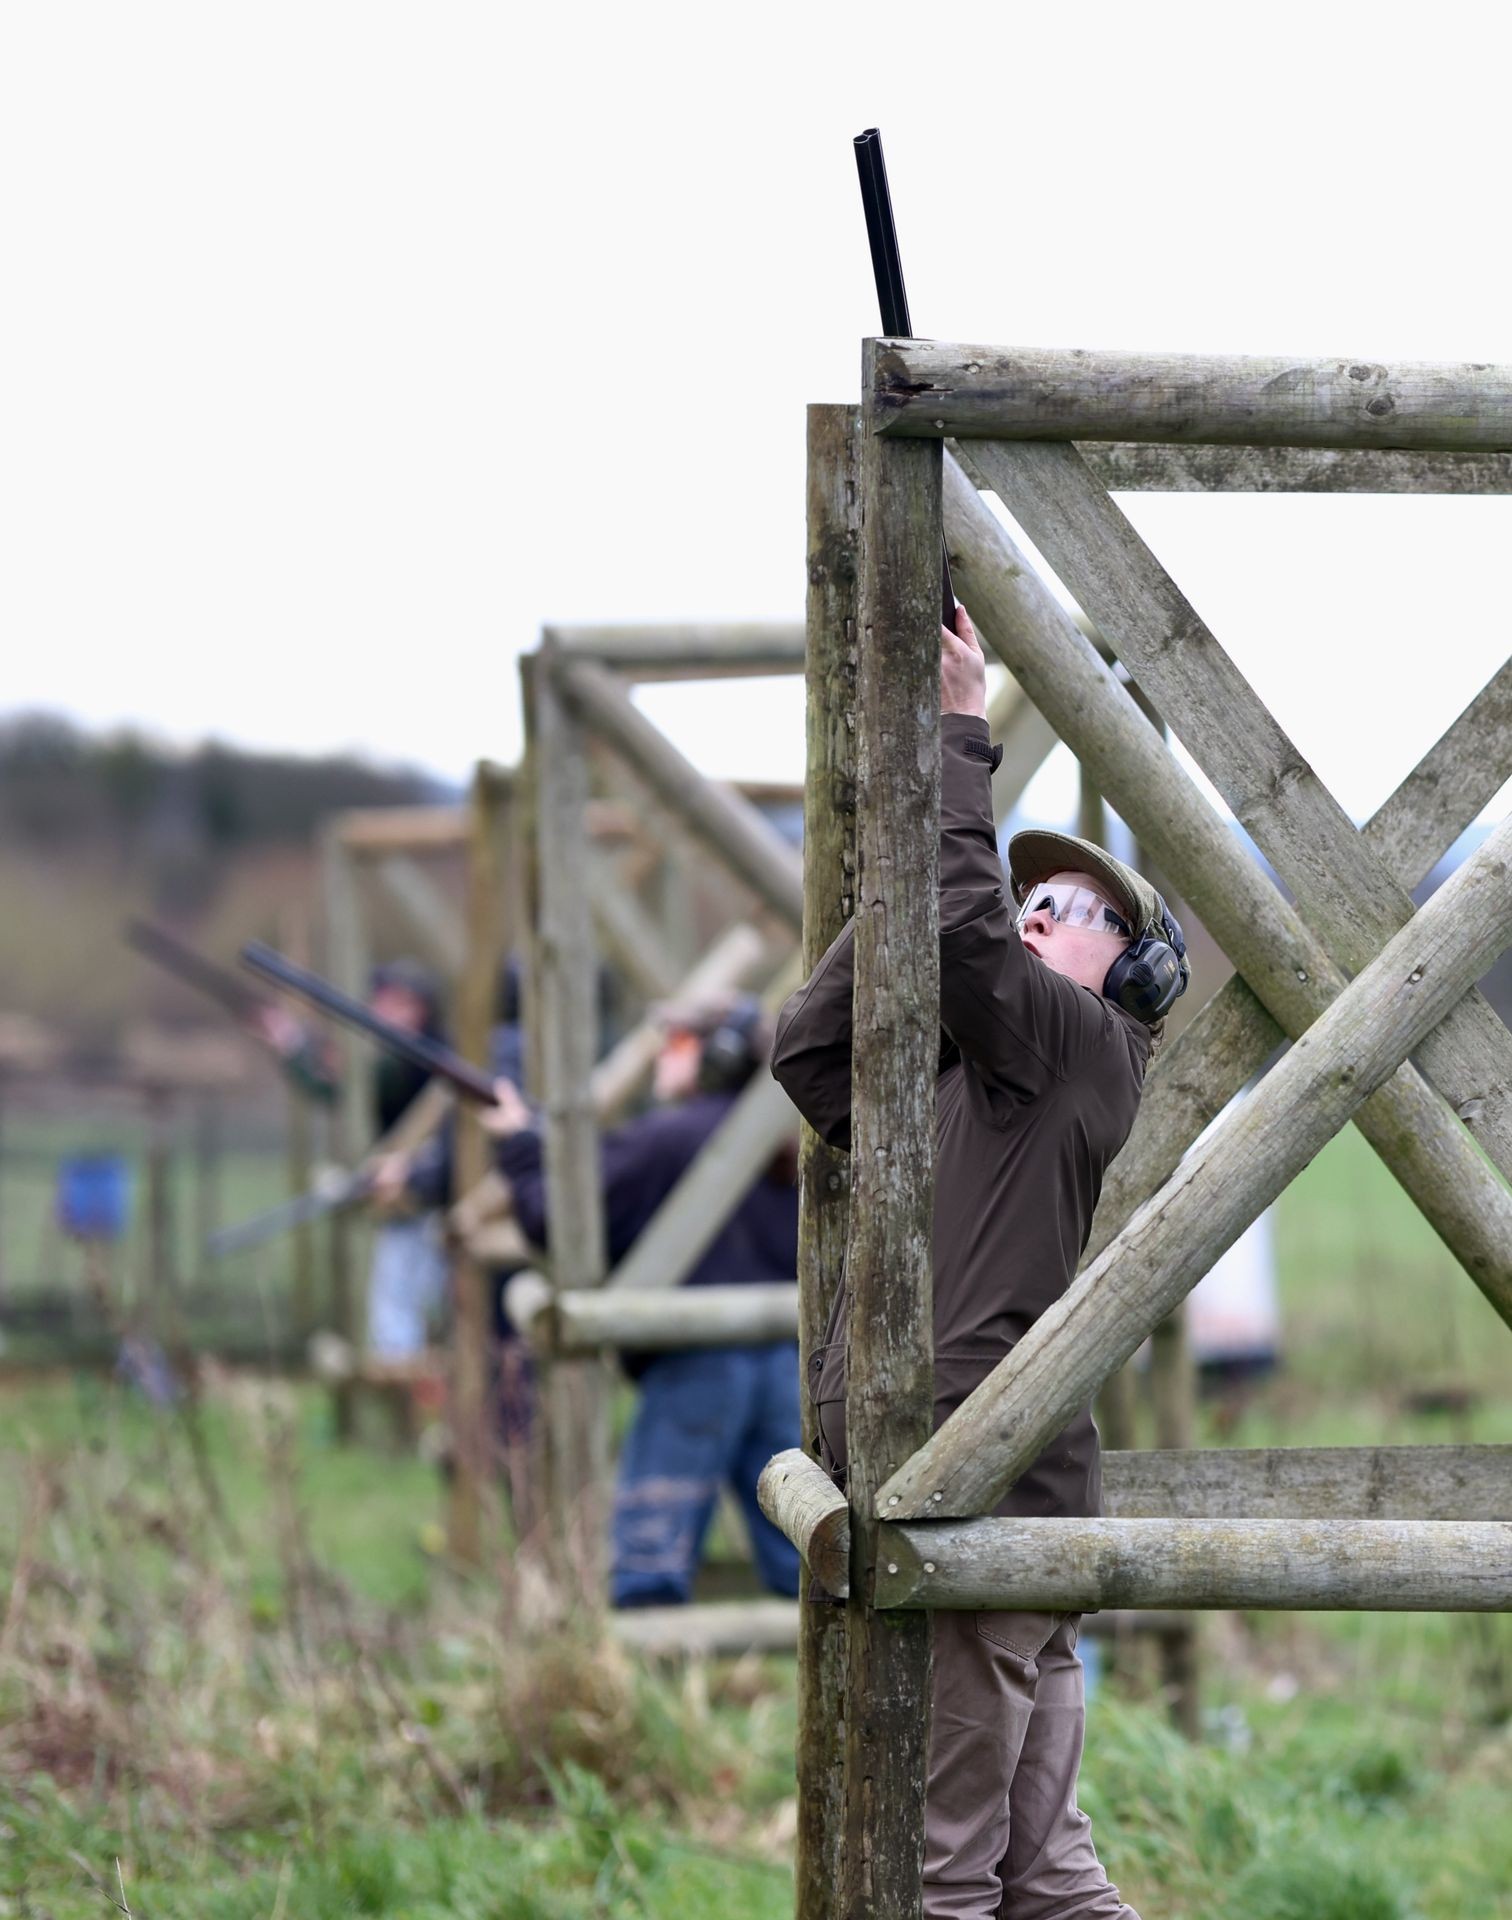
(369, 833)
(727, 1166)
(348, 964)
(374, 831)
(1310, 1483)
(1133, 467)
(829, 867)
(801, 1500)
(1218, 1189)
(688, 652)
(1173, 1390)
(1346, 891)
(933, 387)
(576, 1401)
(736, 960)
(485, 941)
(726, 1628)
(1459, 774)
(889, 1273)
(648, 1319)
(1283, 962)
(1196, 1075)
(1389, 1566)
(431, 917)
(728, 825)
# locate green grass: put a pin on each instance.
(228, 1661)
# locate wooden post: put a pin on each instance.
(1282, 961)
(1220, 1187)
(161, 1277)
(889, 1271)
(348, 966)
(1173, 1388)
(474, 1361)
(575, 1396)
(207, 1170)
(829, 860)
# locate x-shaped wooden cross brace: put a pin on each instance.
(1290, 968)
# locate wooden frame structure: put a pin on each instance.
(1350, 973)
(579, 713)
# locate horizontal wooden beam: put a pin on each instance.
(1309, 1483)
(371, 832)
(704, 1632)
(1126, 466)
(1226, 1179)
(595, 1321)
(931, 388)
(688, 652)
(801, 1501)
(1388, 1566)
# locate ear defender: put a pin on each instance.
(729, 1052)
(1149, 977)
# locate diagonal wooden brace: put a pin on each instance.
(1449, 1179)
(1193, 1078)
(1173, 1240)
(1345, 890)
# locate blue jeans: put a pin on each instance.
(707, 1416)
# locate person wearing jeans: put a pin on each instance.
(707, 1417)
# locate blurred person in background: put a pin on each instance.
(708, 1416)
(407, 1281)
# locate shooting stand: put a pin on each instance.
(1350, 973)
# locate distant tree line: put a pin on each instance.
(61, 785)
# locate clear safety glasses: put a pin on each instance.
(1072, 907)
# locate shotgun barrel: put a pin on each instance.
(174, 956)
(892, 297)
(429, 1055)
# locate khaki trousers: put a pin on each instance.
(1003, 1836)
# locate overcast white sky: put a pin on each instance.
(345, 344)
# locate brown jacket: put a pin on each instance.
(1040, 1080)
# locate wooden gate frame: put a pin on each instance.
(1376, 1528)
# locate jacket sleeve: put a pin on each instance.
(811, 1055)
(1019, 1024)
(639, 1164)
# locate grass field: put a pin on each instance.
(234, 1681)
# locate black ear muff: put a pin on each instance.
(1149, 977)
(730, 1051)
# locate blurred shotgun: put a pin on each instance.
(887, 270)
(337, 1189)
(296, 1048)
(429, 1055)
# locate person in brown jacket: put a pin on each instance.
(1049, 1007)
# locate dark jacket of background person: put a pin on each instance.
(431, 1168)
(640, 1163)
(1040, 1080)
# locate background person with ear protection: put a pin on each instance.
(1050, 1003)
(709, 1416)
